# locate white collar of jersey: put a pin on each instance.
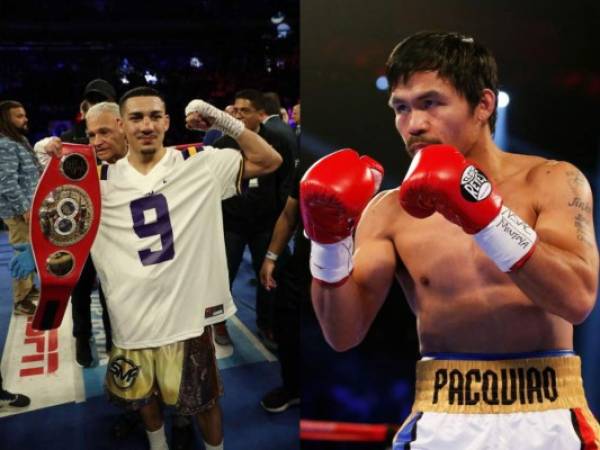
(158, 168)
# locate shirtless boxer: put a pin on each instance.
(496, 278)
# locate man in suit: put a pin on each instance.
(249, 218)
(271, 119)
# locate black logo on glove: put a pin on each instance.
(474, 185)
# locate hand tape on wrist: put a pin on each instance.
(331, 262)
(507, 240)
(222, 121)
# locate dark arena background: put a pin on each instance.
(547, 55)
(184, 48)
(187, 49)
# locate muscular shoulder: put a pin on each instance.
(550, 175)
(541, 174)
(547, 168)
(558, 186)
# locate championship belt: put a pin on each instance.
(65, 215)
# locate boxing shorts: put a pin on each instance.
(532, 401)
(183, 374)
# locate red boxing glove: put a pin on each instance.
(441, 179)
(333, 194)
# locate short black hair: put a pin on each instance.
(255, 97)
(141, 91)
(466, 64)
(271, 103)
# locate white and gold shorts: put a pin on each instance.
(183, 374)
(533, 401)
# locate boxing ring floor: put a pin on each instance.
(70, 410)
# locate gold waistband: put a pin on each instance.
(515, 385)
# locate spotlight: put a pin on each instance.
(277, 18)
(195, 62)
(125, 66)
(124, 79)
(503, 99)
(151, 78)
(382, 83)
(283, 30)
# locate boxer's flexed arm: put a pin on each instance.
(259, 157)
(562, 274)
(333, 194)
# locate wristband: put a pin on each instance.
(271, 255)
(507, 240)
(331, 263)
(222, 121)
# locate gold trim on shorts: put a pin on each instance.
(515, 385)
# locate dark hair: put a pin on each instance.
(142, 91)
(255, 97)
(467, 65)
(271, 103)
(7, 128)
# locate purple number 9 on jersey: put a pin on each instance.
(161, 226)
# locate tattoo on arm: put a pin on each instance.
(583, 220)
(576, 180)
(577, 202)
(584, 230)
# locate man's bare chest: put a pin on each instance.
(438, 255)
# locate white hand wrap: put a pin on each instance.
(507, 239)
(331, 262)
(222, 121)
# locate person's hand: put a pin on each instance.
(202, 115)
(22, 264)
(194, 121)
(441, 179)
(333, 194)
(266, 274)
(53, 147)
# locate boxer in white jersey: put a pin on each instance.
(161, 218)
(495, 252)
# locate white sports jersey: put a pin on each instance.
(160, 248)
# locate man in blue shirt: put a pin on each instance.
(19, 174)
